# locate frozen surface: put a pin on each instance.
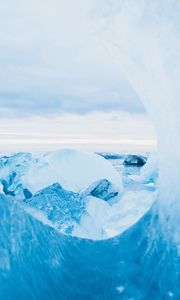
(90, 244)
(135, 160)
(102, 220)
(103, 189)
(144, 39)
(63, 208)
(92, 207)
(66, 167)
(149, 172)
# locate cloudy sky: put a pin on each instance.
(59, 85)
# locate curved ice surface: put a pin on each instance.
(144, 37)
(37, 262)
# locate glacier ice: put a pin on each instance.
(149, 173)
(63, 208)
(143, 262)
(12, 171)
(135, 160)
(68, 167)
(101, 220)
(28, 173)
(38, 262)
(62, 244)
(98, 211)
(144, 40)
(103, 189)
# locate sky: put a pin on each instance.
(59, 85)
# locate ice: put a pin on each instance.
(135, 160)
(12, 172)
(144, 40)
(94, 206)
(63, 208)
(38, 262)
(103, 189)
(69, 168)
(92, 221)
(102, 220)
(149, 172)
(24, 174)
(143, 262)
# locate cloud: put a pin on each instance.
(96, 131)
(51, 62)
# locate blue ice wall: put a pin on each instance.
(37, 262)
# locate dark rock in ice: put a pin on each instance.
(102, 189)
(61, 207)
(135, 160)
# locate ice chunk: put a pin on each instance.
(24, 174)
(61, 207)
(12, 171)
(135, 160)
(92, 221)
(102, 189)
(149, 173)
(101, 220)
(74, 170)
(125, 213)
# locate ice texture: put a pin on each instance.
(98, 211)
(144, 40)
(69, 168)
(135, 160)
(103, 189)
(23, 174)
(63, 208)
(38, 262)
(12, 171)
(149, 173)
(102, 220)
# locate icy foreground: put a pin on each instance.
(49, 237)
(49, 247)
(80, 193)
(68, 167)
